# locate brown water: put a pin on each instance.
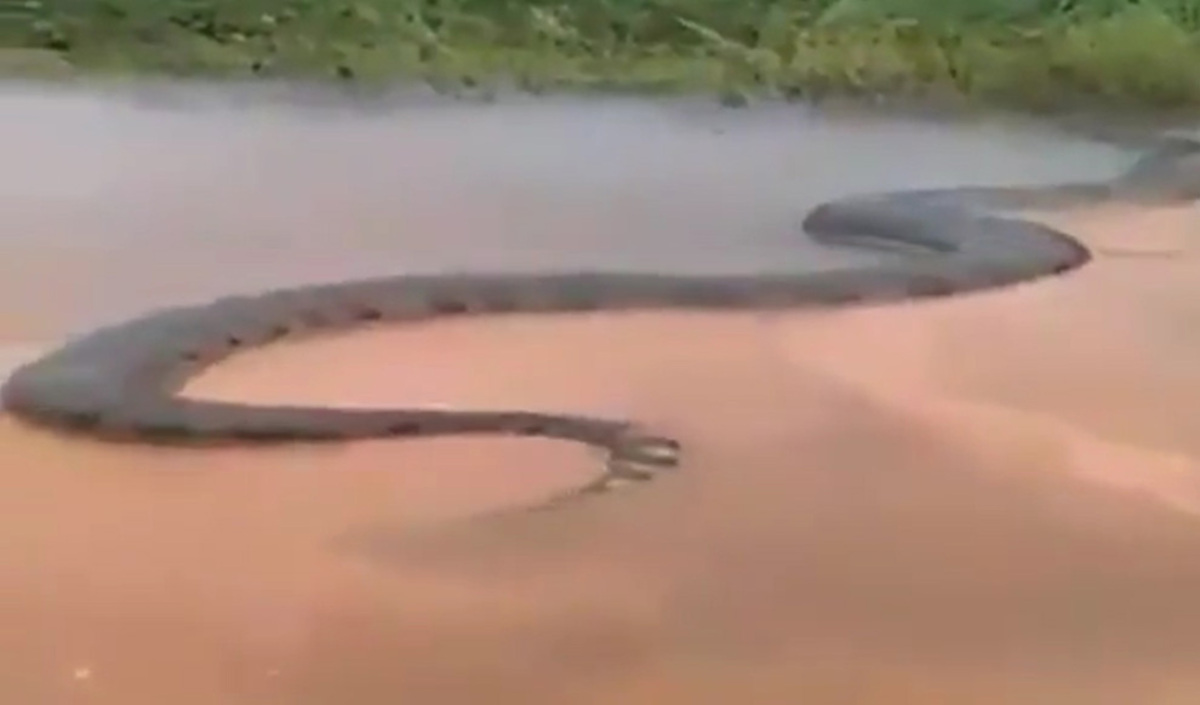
(988, 500)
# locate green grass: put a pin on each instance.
(1023, 53)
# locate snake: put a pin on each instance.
(123, 381)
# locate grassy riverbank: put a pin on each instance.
(1026, 53)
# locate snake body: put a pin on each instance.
(122, 381)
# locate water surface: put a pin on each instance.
(120, 200)
(945, 503)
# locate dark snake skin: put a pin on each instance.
(120, 382)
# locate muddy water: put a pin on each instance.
(116, 202)
(991, 500)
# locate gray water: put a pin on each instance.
(115, 201)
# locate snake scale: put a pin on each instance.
(122, 381)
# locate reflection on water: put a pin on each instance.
(114, 202)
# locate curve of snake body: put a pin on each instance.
(122, 382)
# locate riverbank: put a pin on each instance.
(1094, 54)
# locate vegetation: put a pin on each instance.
(1028, 53)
